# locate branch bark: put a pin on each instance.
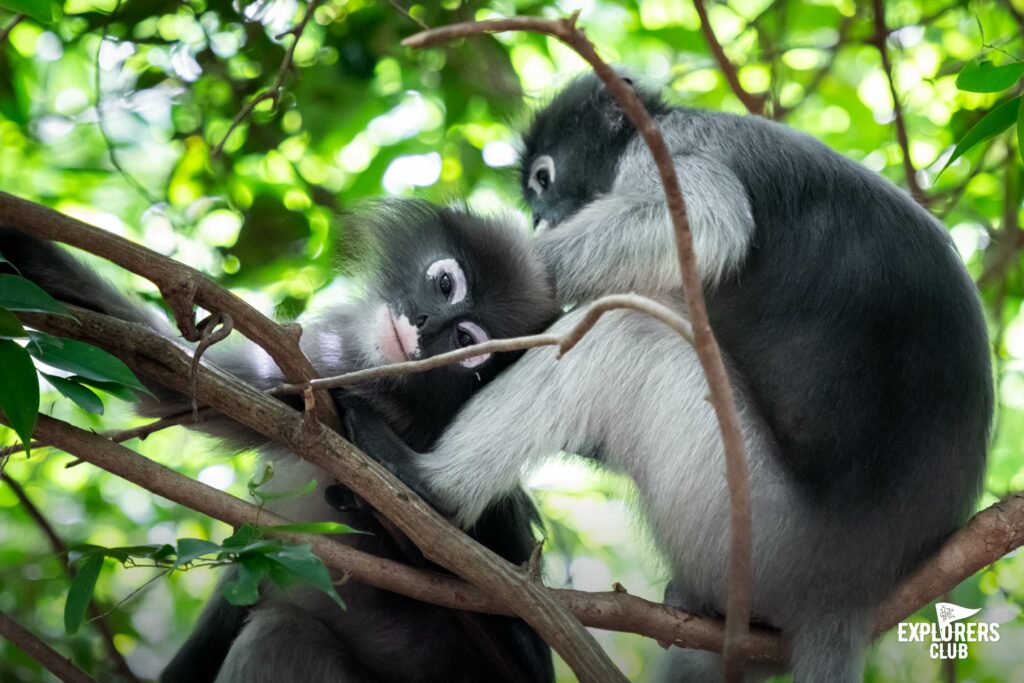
(721, 397)
(53, 661)
(163, 361)
(610, 610)
(181, 286)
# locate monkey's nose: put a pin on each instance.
(536, 221)
(421, 321)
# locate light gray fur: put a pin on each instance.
(624, 241)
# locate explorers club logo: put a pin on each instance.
(948, 638)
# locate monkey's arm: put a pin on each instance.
(623, 241)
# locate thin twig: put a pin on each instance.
(53, 661)
(408, 15)
(61, 550)
(6, 31)
(565, 343)
(754, 102)
(119, 436)
(739, 572)
(880, 41)
(273, 93)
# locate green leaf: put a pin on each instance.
(80, 593)
(984, 76)
(10, 326)
(19, 390)
(313, 528)
(19, 294)
(190, 549)
(245, 535)
(82, 396)
(83, 359)
(124, 553)
(256, 482)
(297, 492)
(994, 123)
(300, 564)
(113, 388)
(40, 10)
(245, 589)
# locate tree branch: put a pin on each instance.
(565, 343)
(880, 41)
(273, 93)
(610, 610)
(164, 362)
(61, 551)
(721, 397)
(181, 286)
(53, 661)
(6, 30)
(753, 102)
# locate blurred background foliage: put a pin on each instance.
(113, 113)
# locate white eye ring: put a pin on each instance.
(479, 337)
(543, 163)
(450, 267)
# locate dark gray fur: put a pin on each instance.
(852, 332)
(304, 636)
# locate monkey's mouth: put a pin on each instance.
(396, 336)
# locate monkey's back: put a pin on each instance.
(862, 339)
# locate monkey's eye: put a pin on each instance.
(451, 281)
(542, 174)
(469, 334)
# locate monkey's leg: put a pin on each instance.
(282, 643)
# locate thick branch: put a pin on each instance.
(57, 543)
(181, 286)
(880, 41)
(161, 360)
(53, 661)
(739, 574)
(753, 102)
(611, 610)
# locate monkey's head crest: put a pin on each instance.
(571, 150)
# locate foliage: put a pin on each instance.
(110, 111)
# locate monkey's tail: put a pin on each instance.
(67, 279)
(829, 646)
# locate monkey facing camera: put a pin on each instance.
(435, 280)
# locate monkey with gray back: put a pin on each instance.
(436, 280)
(853, 337)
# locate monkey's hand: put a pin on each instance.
(371, 434)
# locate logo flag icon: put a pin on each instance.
(947, 613)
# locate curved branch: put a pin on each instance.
(182, 288)
(53, 661)
(721, 397)
(753, 102)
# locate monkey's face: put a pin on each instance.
(430, 315)
(572, 149)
